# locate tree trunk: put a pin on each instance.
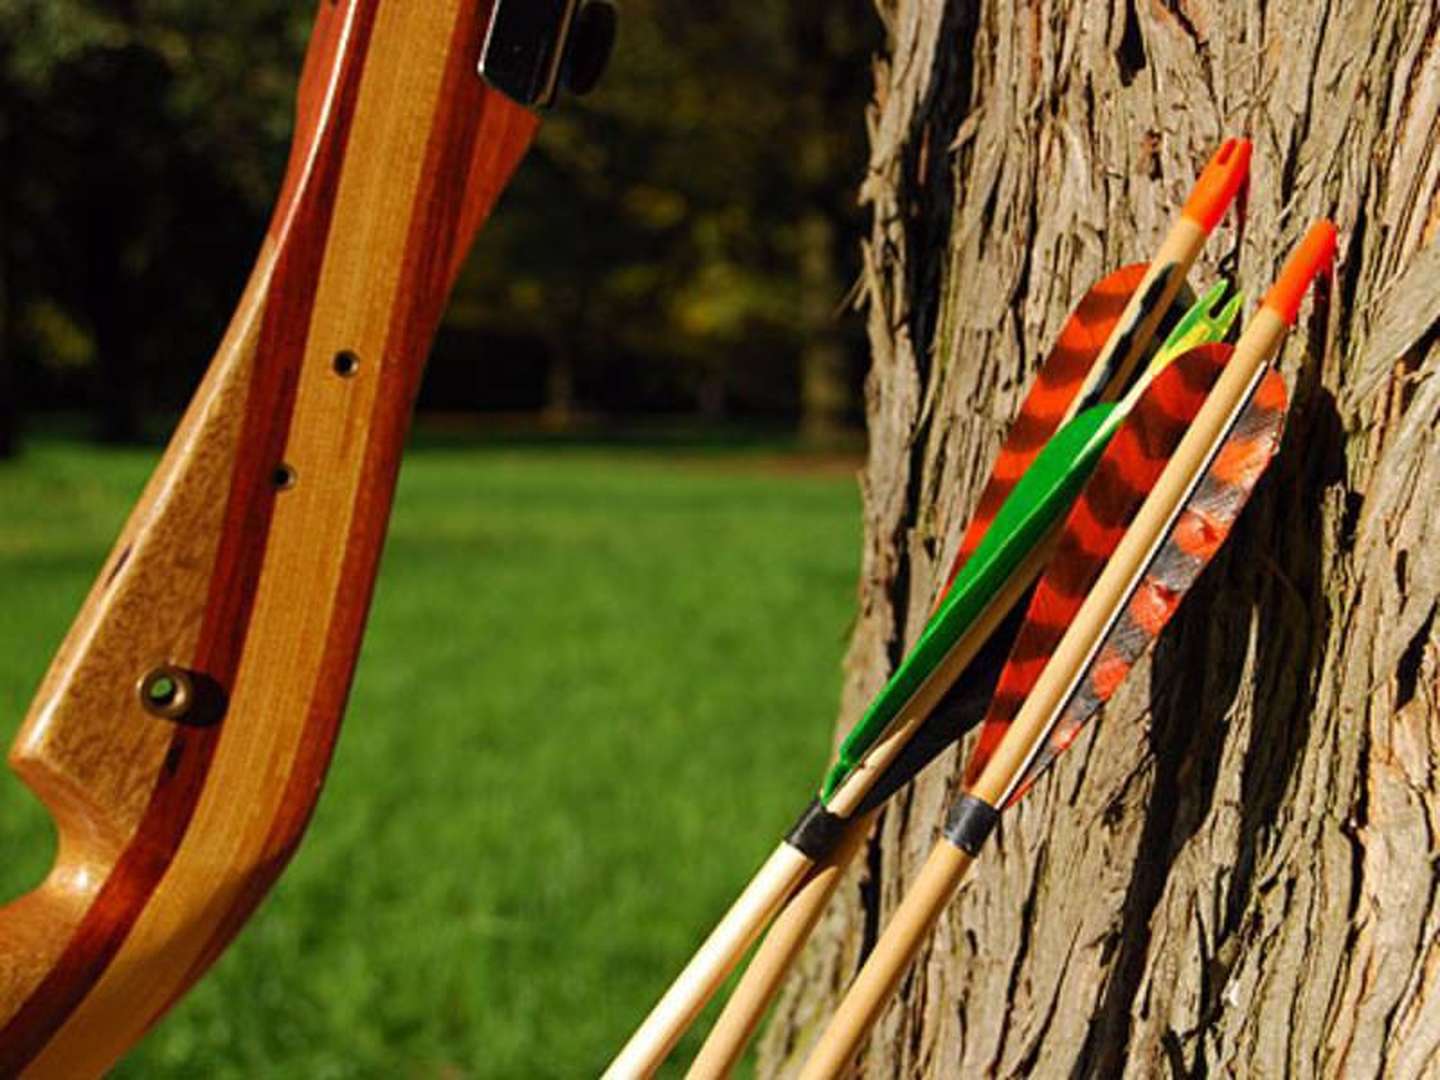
(1234, 871)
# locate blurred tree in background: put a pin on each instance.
(680, 243)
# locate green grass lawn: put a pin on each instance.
(597, 686)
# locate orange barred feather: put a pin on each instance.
(1078, 346)
(1203, 526)
(1131, 464)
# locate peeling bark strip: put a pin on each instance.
(1240, 877)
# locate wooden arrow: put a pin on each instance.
(1184, 519)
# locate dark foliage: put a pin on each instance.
(679, 242)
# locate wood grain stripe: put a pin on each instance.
(145, 860)
(477, 139)
(300, 582)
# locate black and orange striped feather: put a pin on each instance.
(1204, 523)
(1051, 395)
(1129, 468)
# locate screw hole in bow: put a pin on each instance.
(347, 363)
(283, 478)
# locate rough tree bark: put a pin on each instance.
(1234, 871)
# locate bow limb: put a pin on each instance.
(182, 735)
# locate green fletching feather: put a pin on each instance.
(1041, 498)
(1199, 326)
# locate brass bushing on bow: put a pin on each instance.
(167, 691)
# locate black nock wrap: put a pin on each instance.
(959, 711)
(970, 824)
(817, 832)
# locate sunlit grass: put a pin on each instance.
(596, 687)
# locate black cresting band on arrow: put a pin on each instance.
(817, 832)
(970, 824)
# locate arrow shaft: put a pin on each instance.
(851, 794)
(711, 965)
(885, 736)
(924, 902)
(1157, 291)
(974, 817)
(1110, 373)
(1107, 379)
(784, 941)
(787, 867)
(750, 999)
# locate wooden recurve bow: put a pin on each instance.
(182, 734)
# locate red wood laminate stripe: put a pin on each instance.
(143, 863)
(325, 39)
